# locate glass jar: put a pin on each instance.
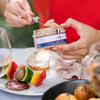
(93, 64)
(49, 37)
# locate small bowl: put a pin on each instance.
(68, 87)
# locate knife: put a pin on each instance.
(36, 20)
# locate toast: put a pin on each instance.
(39, 60)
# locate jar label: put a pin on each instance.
(52, 39)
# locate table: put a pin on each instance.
(8, 96)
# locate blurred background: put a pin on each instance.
(19, 37)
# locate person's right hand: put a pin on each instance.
(18, 13)
(80, 48)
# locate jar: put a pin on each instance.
(49, 37)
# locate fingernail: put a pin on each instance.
(30, 12)
(29, 19)
(62, 24)
(54, 48)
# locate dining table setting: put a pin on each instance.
(37, 74)
(19, 55)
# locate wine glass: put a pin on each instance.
(5, 52)
(93, 64)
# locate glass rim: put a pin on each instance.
(42, 29)
(6, 37)
(2, 29)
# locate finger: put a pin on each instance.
(26, 7)
(9, 21)
(18, 11)
(13, 24)
(16, 25)
(67, 57)
(72, 46)
(82, 52)
(16, 19)
(71, 23)
(47, 48)
(80, 44)
(60, 47)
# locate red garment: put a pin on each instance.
(85, 11)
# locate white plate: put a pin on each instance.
(20, 58)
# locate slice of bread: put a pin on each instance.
(39, 60)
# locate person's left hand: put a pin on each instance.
(80, 48)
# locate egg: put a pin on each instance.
(84, 92)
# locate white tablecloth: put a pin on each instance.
(8, 96)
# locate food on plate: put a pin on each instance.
(66, 96)
(49, 37)
(23, 73)
(16, 85)
(39, 60)
(94, 99)
(20, 72)
(84, 92)
(11, 70)
(67, 69)
(35, 77)
(19, 76)
(38, 78)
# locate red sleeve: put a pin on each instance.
(85, 11)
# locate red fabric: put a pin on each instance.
(42, 8)
(86, 11)
(41, 5)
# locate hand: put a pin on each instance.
(80, 48)
(18, 13)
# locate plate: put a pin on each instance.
(20, 57)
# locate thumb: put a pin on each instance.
(71, 23)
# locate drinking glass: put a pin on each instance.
(5, 52)
(93, 64)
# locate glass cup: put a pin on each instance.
(5, 52)
(93, 64)
(67, 69)
(49, 37)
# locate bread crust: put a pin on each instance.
(37, 68)
(65, 96)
